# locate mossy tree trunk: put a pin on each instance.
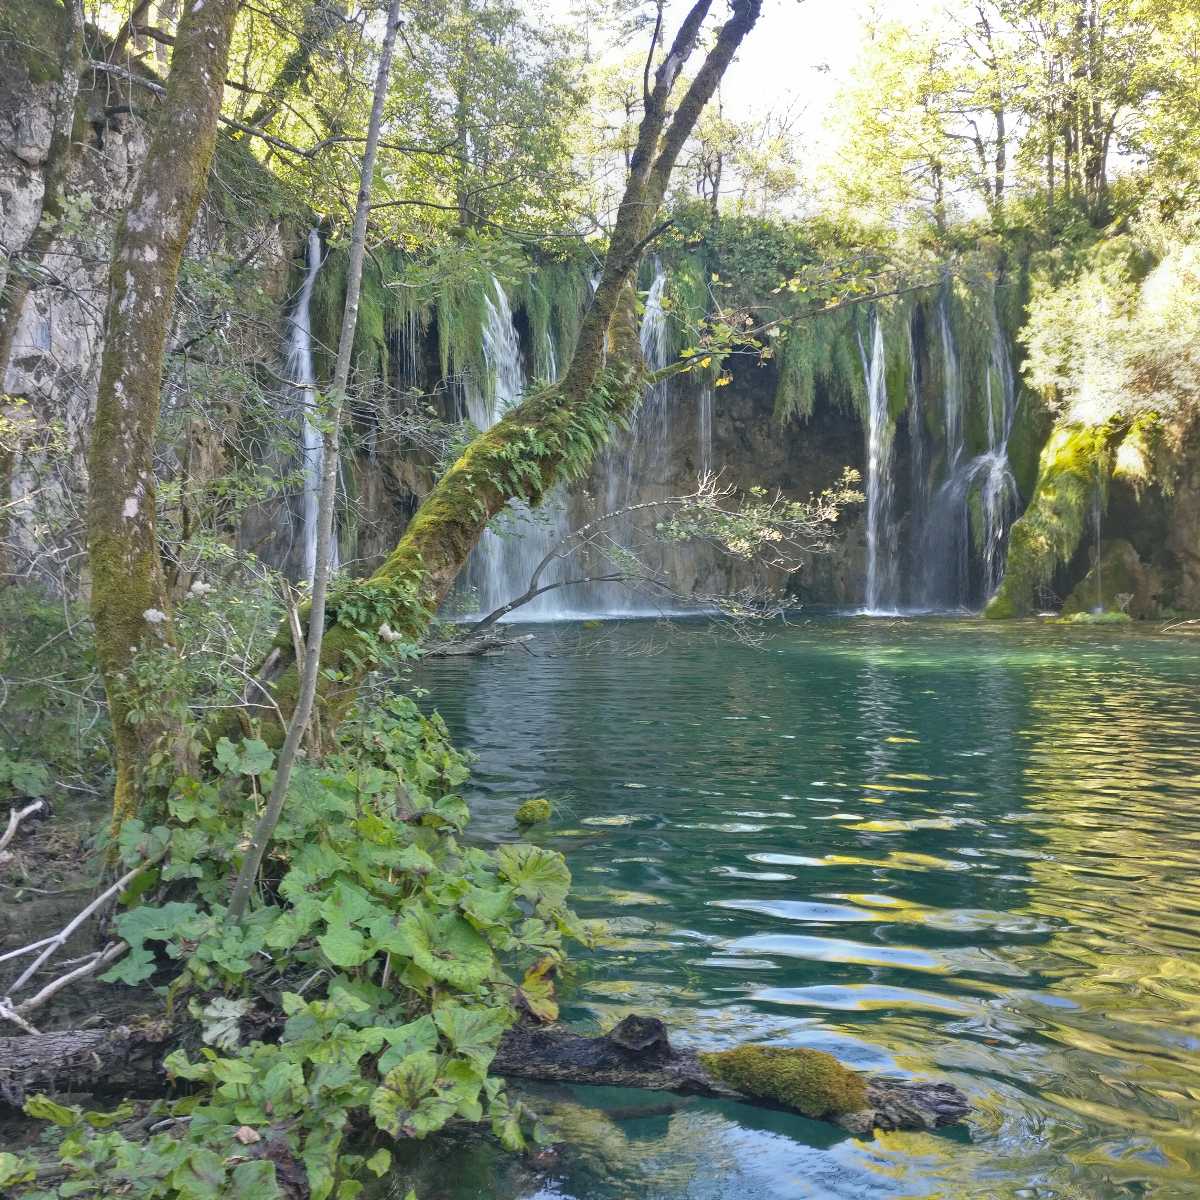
(129, 599)
(554, 433)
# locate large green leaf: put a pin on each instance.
(538, 875)
(407, 1103)
(488, 908)
(446, 948)
(403, 1040)
(344, 946)
(473, 1032)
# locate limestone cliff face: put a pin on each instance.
(51, 383)
(59, 340)
(1149, 532)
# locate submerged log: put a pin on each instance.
(636, 1054)
(639, 1054)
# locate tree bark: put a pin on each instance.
(129, 599)
(636, 1054)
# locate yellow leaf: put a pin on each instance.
(706, 361)
(537, 991)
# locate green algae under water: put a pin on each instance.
(938, 848)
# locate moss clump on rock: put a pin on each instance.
(534, 811)
(1118, 582)
(31, 37)
(1075, 462)
(1107, 617)
(809, 1081)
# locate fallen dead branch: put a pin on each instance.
(16, 816)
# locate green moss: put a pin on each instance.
(1074, 463)
(1134, 462)
(809, 1081)
(1031, 427)
(1106, 617)
(534, 811)
(246, 190)
(31, 38)
(820, 352)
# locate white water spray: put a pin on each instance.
(511, 548)
(881, 533)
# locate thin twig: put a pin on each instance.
(15, 817)
(100, 959)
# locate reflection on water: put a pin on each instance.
(931, 847)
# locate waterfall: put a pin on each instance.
(998, 491)
(651, 425)
(303, 376)
(516, 542)
(918, 475)
(881, 533)
(952, 398)
(981, 487)
(636, 458)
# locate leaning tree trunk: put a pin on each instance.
(129, 600)
(553, 434)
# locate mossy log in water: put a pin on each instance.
(636, 1054)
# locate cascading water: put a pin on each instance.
(505, 559)
(635, 459)
(980, 489)
(301, 373)
(918, 499)
(882, 575)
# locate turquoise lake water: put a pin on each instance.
(939, 848)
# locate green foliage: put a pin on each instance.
(416, 943)
(1119, 335)
(55, 720)
(820, 353)
(553, 296)
(810, 1081)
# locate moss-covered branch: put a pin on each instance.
(553, 434)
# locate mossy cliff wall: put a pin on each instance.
(1113, 525)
